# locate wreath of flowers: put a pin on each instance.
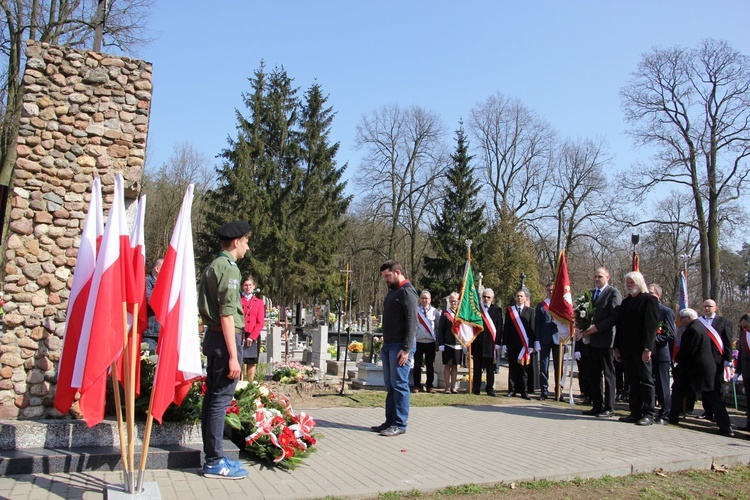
(266, 425)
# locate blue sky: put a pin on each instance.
(565, 60)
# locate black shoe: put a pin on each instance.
(706, 416)
(606, 414)
(645, 421)
(727, 432)
(511, 394)
(592, 412)
(630, 419)
(543, 396)
(475, 393)
(379, 428)
(660, 421)
(393, 431)
(525, 396)
(492, 394)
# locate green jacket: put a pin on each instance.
(219, 292)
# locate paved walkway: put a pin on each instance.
(444, 446)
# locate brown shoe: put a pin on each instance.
(415, 390)
(431, 391)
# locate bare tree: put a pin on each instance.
(165, 189)
(515, 150)
(693, 106)
(59, 22)
(404, 158)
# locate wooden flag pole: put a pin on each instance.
(134, 358)
(129, 414)
(118, 412)
(146, 439)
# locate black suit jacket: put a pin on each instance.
(664, 336)
(637, 320)
(510, 335)
(483, 343)
(605, 317)
(724, 329)
(544, 327)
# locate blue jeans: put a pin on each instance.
(396, 380)
(219, 394)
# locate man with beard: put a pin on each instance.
(518, 336)
(661, 357)
(601, 336)
(637, 320)
(695, 371)
(399, 335)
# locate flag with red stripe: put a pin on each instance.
(102, 344)
(561, 302)
(174, 301)
(93, 228)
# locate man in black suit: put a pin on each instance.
(602, 336)
(695, 371)
(518, 337)
(637, 320)
(661, 357)
(483, 348)
(720, 333)
(545, 330)
(743, 361)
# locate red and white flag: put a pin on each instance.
(135, 289)
(93, 228)
(174, 301)
(103, 337)
(561, 302)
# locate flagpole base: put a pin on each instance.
(150, 491)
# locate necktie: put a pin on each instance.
(596, 294)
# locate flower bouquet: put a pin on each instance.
(583, 309)
(268, 427)
(293, 373)
(356, 347)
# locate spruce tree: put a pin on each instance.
(280, 175)
(461, 218)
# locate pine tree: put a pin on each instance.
(461, 218)
(280, 175)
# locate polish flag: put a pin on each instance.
(135, 289)
(93, 229)
(103, 334)
(174, 301)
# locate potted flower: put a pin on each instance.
(355, 350)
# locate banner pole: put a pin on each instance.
(118, 412)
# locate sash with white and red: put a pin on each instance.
(716, 339)
(488, 323)
(524, 357)
(714, 335)
(426, 324)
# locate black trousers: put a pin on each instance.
(638, 373)
(544, 359)
(425, 351)
(486, 364)
(517, 373)
(711, 401)
(602, 365)
(660, 372)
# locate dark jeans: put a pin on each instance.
(638, 373)
(482, 363)
(219, 393)
(602, 364)
(544, 357)
(425, 351)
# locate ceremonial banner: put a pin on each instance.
(468, 323)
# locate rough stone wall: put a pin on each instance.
(85, 114)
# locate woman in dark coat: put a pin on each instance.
(695, 369)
